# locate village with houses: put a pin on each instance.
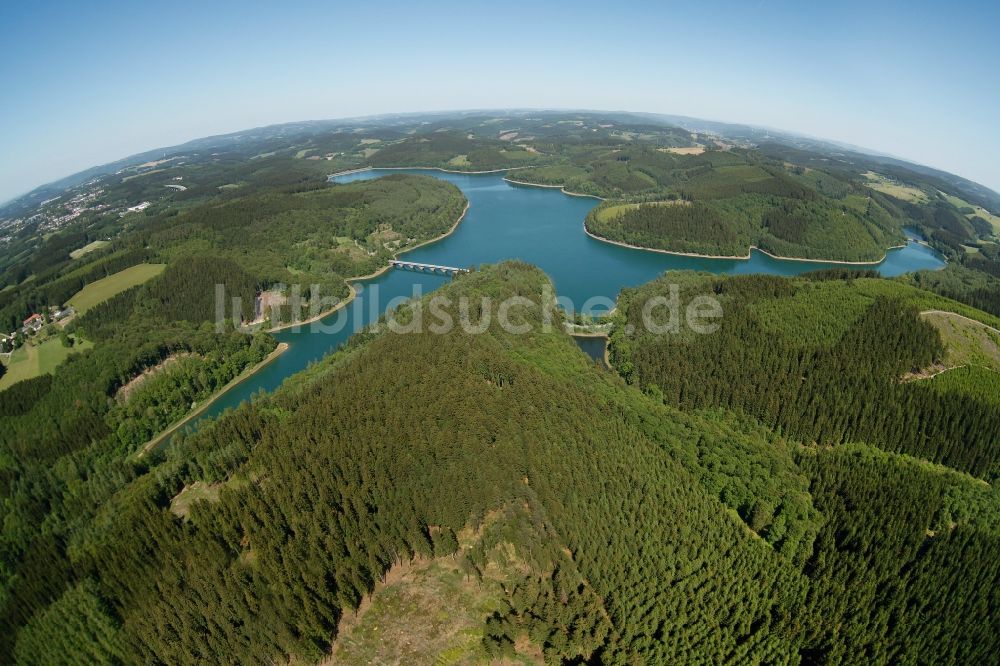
(40, 343)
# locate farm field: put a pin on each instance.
(89, 247)
(978, 211)
(33, 360)
(103, 289)
(885, 185)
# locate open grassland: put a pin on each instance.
(885, 185)
(89, 247)
(989, 217)
(686, 150)
(978, 211)
(967, 342)
(103, 289)
(432, 611)
(32, 360)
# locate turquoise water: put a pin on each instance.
(539, 225)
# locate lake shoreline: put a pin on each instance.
(284, 346)
(370, 276)
(561, 188)
(161, 438)
(356, 291)
(745, 257)
(422, 168)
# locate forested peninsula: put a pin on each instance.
(524, 478)
(720, 203)
(814, 482)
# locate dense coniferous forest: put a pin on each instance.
(730, 200)
(692, 227)
(307, 233)
(975, 280)
(68, 443)
(642, 533)
(811, 483)
(827, 386)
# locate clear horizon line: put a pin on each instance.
(392, 114)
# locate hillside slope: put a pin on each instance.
(632, 532)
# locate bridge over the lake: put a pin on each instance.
(427, 268)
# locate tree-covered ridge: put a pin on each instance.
(640, 532)
(677, 226)
(319, 236)
(643, 534)
(832, 367)
(68, 442)
(725, 203)
(452, 150)
(974, 279)
(67, 445)
(787, 201)
(307, 233)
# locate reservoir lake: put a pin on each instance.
(542, 226)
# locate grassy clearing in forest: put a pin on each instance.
(89, 247)
(611, 212)
(425, 612)
(967, 342)
(885, 185)
(103, 289)
(180, 505)
(687, 150)
(433, 611)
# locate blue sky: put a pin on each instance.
(88, 82)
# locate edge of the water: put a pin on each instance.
(421, 168)
(561, 188)
(284, 346)
(745, 257)
(734, 257)
(200, 409)
(351, 280)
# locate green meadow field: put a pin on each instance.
(102, 290)
(33, 360)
